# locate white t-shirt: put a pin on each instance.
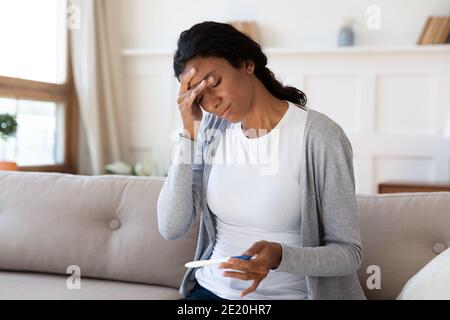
(254, 194)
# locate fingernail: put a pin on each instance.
(192, 70)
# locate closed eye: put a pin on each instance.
(218, 82)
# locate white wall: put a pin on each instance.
(393, 103)
(286, 23)
(366, 76)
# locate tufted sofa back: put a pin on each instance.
(401, 233)
(107, 225)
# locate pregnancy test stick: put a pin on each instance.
(202, 263)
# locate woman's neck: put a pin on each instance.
(265, 111)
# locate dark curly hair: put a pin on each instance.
(214, 39)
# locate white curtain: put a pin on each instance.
(96, 62)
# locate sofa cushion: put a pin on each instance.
(105, 225)
(26, 286)
(432, 282)
(400, 234)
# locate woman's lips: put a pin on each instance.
(224, 112)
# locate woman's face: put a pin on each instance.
(230, 89)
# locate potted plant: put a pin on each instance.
(142, 168)
(8, 128)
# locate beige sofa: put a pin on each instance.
(107, 227)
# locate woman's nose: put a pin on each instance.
(212, 103)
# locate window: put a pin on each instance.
(36, 85)
(38, 140)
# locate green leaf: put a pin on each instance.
(8, 125)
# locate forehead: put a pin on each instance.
(203, 66)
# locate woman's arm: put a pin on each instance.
(180, 198)
(342, 251)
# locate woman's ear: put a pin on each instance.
(248, 66)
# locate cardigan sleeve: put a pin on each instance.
(179, 201)
(340, 252)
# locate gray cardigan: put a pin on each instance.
(331, 250)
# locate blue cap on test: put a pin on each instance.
(243, 257)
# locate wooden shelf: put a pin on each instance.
(412, 186)
(437, 48)
(361, 49)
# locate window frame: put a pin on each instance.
(17, 88)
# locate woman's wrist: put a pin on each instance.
(278, 254)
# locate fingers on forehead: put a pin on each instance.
(184, 76)
(188, 71)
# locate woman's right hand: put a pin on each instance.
(187, 102)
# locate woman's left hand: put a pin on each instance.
(268, 257)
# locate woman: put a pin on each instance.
(295, 214)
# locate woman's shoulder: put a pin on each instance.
(324, 135)
(319, 125)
